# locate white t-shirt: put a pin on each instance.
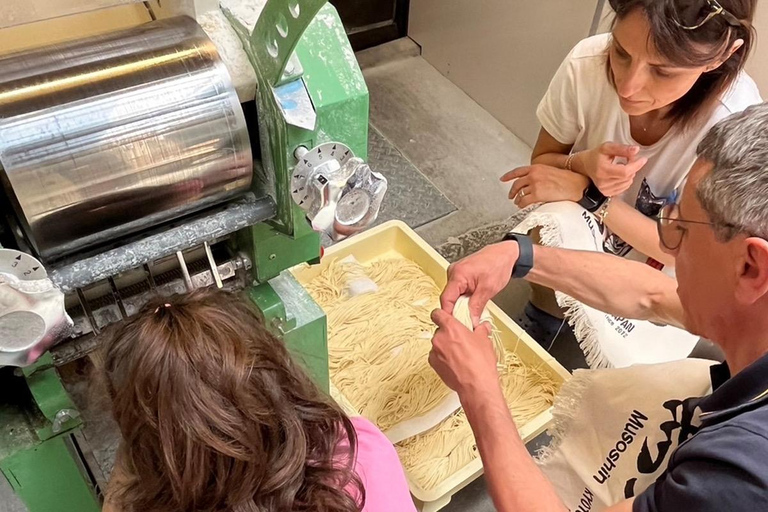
(581, 107)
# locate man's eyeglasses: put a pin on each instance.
(672, 228)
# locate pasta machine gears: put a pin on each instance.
(339, 192)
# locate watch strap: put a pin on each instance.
(524, 262)
(592, 199)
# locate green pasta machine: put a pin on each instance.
(215, 144)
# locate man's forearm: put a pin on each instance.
(514, 481)
(608, 283)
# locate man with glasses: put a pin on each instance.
(718, 235)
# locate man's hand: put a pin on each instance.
(465, 360)
(599, 165)
(481, 276)
(544, 184)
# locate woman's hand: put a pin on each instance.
(599, 165)
(539, 183)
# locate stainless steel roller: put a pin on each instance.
(106, 136)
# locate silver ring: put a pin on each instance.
(522, 193)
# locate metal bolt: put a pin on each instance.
(242, 262)
(278, 325)
(62, 417)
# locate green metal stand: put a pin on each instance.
(38, 455)
(291, 314)
(47, 477)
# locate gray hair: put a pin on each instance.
(735, 192)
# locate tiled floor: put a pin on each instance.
(410, 196)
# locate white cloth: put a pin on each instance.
(605, 339)
(615, 430)
(582, 108)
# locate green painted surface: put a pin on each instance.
(38, 463)
(47, 478)
(51, 397)
(279, 28)
(309, 344)
(19, 419)
(304, 335)
(340, 98)
(335, 83)
(274, 251)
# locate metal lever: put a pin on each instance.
(212, 264)
(361, 201)
(185, 271)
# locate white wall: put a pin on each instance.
(502, 53)
(757, 66)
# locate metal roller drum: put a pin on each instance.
(107, 136)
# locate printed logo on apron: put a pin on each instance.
(647, 203)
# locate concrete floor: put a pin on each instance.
(457, 145)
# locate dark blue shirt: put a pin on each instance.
(724, 466)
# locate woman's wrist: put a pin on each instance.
(577, 163)
(580, 185)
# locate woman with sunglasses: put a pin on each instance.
(623, 115)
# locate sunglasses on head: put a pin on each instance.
(693, 14)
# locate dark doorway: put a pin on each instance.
(372, 22)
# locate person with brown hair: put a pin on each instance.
(622, 117)
(217, 416)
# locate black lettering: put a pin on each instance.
(629, 488)
(600, 477)
(636, 418)
(633, 425)
(585, 503)
(646, 463)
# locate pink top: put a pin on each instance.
(379, 468)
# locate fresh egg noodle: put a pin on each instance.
(378, 347)
(432, 457)
(462, 314)
(378, 343)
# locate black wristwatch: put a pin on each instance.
(524, 262)
(592, 199)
